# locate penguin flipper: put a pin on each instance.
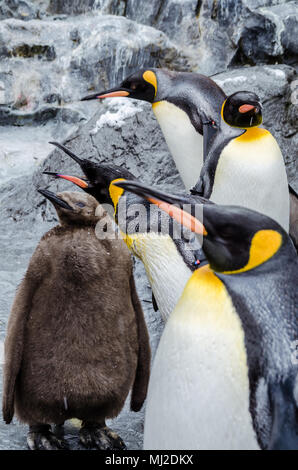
(294, 216)
(209, 131)
(140, 386)
(285, 415)
(14, 340)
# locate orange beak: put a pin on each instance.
(160, 199)
(184, 218)
(75, 180)
(245, 108)
(114, 94)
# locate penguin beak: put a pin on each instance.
(82, 183)
(68, 152)
(55, 199)
(112, 93)
(245, 108)
(165, 202)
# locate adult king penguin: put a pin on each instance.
(188, 106)
(168, 258)
(227, 352)
(184, 104)
(76, 341)
(247, 169)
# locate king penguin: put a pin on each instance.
(183, 103)
(188, 107)
(247, 169)
(76, 340)
(226, 353)
(168, 257)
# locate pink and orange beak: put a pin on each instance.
(112, 93)
(245, 108)
(166, 203)
(74, 179)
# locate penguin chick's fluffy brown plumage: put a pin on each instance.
(76, 338)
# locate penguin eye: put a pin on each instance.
(80, 204)
(133, 86)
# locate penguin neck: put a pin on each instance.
(166, 269)
(184, 142)
(252, 134)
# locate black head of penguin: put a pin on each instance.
(239, 239)
(74, 208)
(198, 95)
(141, 85)
(242, 109)
(235, 239)
(97, 177)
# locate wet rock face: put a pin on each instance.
(53, 52)
(47, 66)
(24, 10)
(269, 35)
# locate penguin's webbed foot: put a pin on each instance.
(40, 437)
(94, 435)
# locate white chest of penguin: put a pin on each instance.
(165, 268)
(198, 394)
(251, 173)
(184, 142)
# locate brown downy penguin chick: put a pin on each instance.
(76, 341)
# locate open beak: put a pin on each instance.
(165, 202)
(112, 93)
(55, 199)
(82, 183)
(68, 152)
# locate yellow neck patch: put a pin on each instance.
(150, 77)
(253, 133)
(264, 245)
(116, 192)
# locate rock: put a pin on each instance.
(179, 20)
(76, 7)
(23, 10)
(269, 35)
(57, 62)
(246, 32)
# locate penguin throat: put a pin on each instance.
(253, 133)
(184, 142)
(166, 269)
(115, 192)
(264, 245)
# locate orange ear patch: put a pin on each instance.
(150, 77)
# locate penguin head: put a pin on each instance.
(195, 94)
(97, 179)
(141, 85)
(234, 239)
(242, 109)
(74, 208)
